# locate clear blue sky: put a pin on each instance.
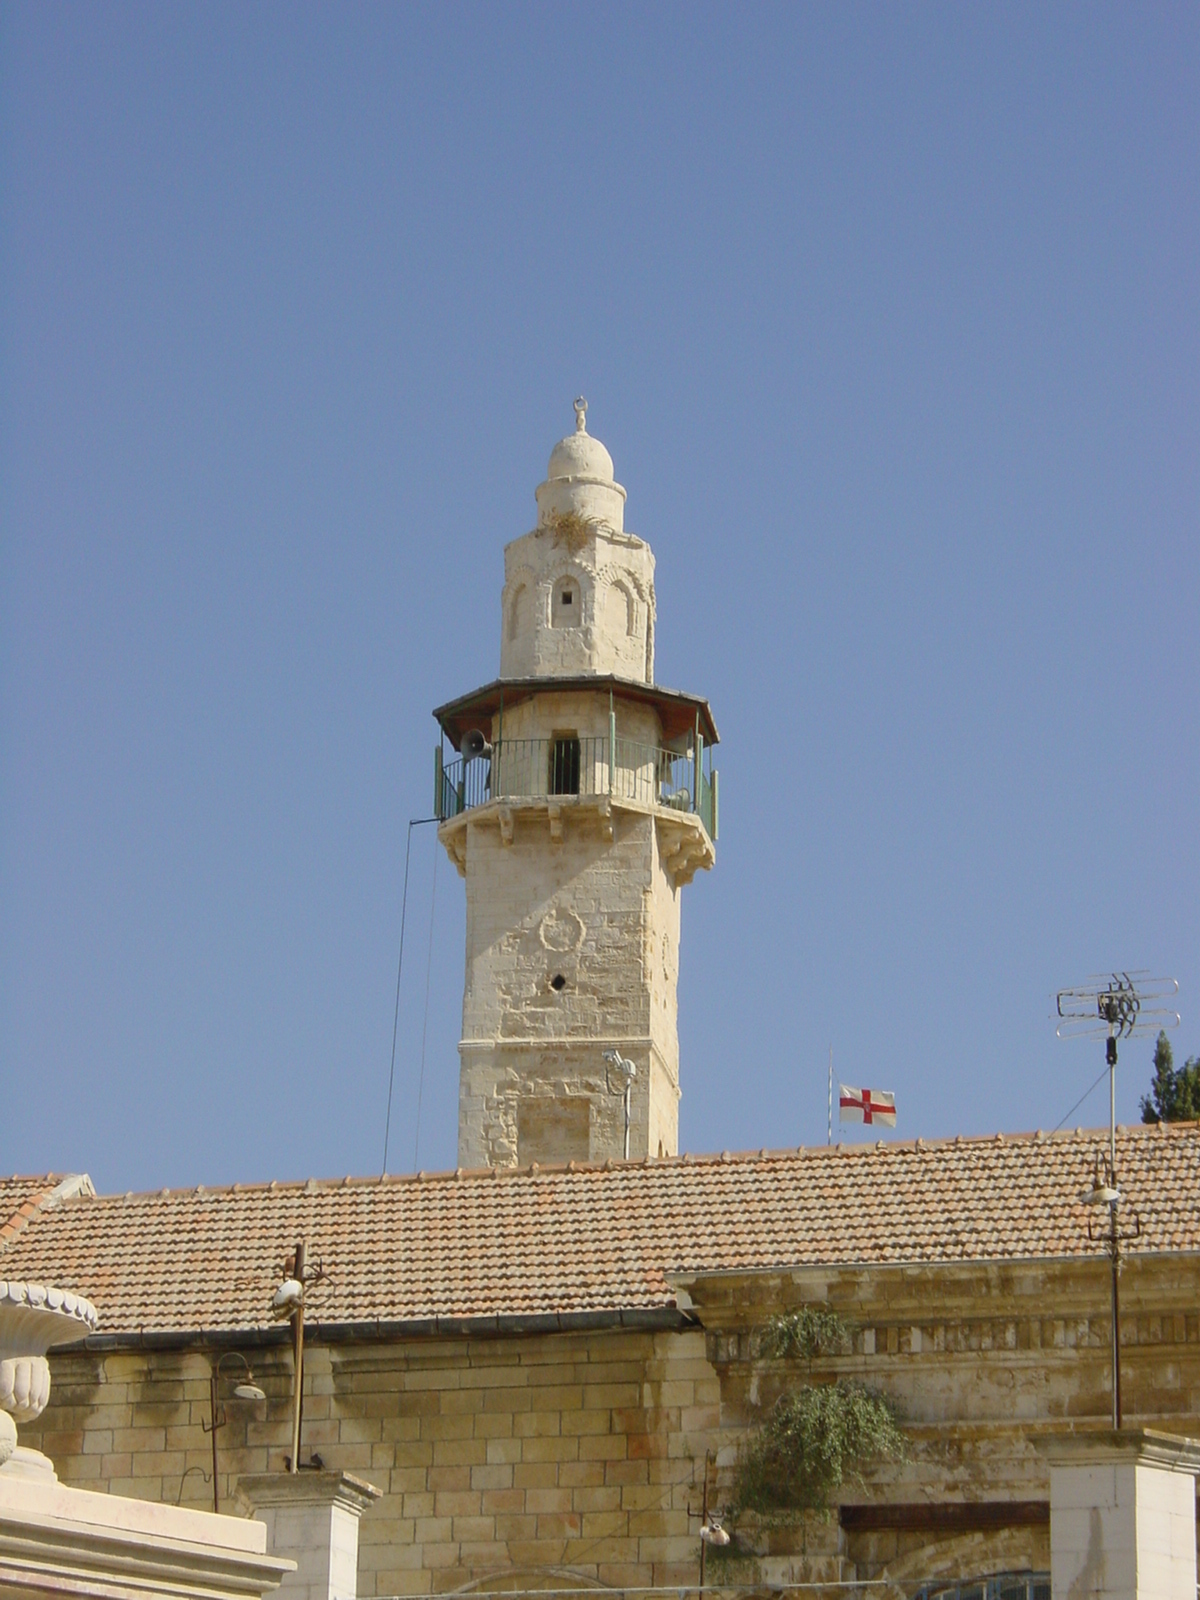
(889, 317)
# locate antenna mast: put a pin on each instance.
(1111, 1007)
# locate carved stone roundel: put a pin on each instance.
(560, 930)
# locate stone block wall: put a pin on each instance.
(609, 625)
(572, 947)
(574, 1450)
(983, 1362)
(583, 1452)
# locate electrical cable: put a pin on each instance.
(415, 822)
(1081, 1099)
(425, 1024)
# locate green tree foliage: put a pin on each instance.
(812, 1441)
(805, 1334)
(1175, 1092)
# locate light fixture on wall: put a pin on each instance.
(287, 1299)
(246, 1390)
(1102, 1192)
(616, 1062)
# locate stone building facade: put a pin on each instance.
(534, 1366)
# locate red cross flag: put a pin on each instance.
(867, 1105)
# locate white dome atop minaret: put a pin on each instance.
(579, 455)
(579, 590)
(579, 481)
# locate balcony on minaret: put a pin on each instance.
(539, 771)
(567, 767)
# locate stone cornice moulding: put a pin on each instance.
(1150, 1447)
(259, 1490)
(77, 1542)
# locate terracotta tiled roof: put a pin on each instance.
(590, 1239)
(21, 1199)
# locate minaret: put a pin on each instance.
(577, 800)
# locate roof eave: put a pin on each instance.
(487, 699)
(653, 1319)
(682, 1279)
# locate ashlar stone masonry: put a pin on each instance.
(584, 809)
(581, 1453)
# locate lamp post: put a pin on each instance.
(711, 1531)
(287, 1304)
(1104, 1192)
(246, 1390)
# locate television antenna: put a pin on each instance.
(1114, 1006)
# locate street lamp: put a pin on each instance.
(711, 1530)
(246, 1390)
(287, 1305)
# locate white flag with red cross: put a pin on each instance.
(867, 1105)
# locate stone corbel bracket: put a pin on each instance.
(684, 845)
(453, 835)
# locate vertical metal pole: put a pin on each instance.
(704, 1521)
(298, 1331)
(1115, 1251)
(212, 1417)
(612, 746)
(628, 1092)
(829, 1136)
(1112, 1109)
(437, 783)
(1114, 1242)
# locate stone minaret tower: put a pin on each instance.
(581, 799)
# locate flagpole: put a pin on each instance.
(829, 1137)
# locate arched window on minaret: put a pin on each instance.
(518, 612)
(620, 611)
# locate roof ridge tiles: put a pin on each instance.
(687, 1161)
(405, 1251)
(43, 1193)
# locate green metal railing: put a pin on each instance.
(543, 768)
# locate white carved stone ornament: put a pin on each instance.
(561, 930)
(33, 1319)
(24, 1387)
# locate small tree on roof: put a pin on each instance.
(1175, 1091)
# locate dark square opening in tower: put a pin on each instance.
(564, 766)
